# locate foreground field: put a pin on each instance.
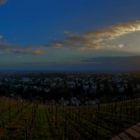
(23, 120)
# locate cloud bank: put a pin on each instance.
(100, 39)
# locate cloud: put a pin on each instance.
(114, 60)
(13, 49)
(94, 40)
(102, 38)
(117, 30)
(2, 2)
(56, 44)
(8, 48)
(124, 63)
(121, 45)
(1, 36)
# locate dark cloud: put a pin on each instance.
(129, 60)
(129, 63)
(13, 49)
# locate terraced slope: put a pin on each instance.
(23, 120)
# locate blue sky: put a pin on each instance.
(52, 34)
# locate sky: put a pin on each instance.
(70, 35)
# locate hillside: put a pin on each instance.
(24, 120)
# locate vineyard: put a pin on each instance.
(24, 120)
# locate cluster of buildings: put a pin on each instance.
(71, 88)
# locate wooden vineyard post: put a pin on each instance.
(26, 130)
(65, 127)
